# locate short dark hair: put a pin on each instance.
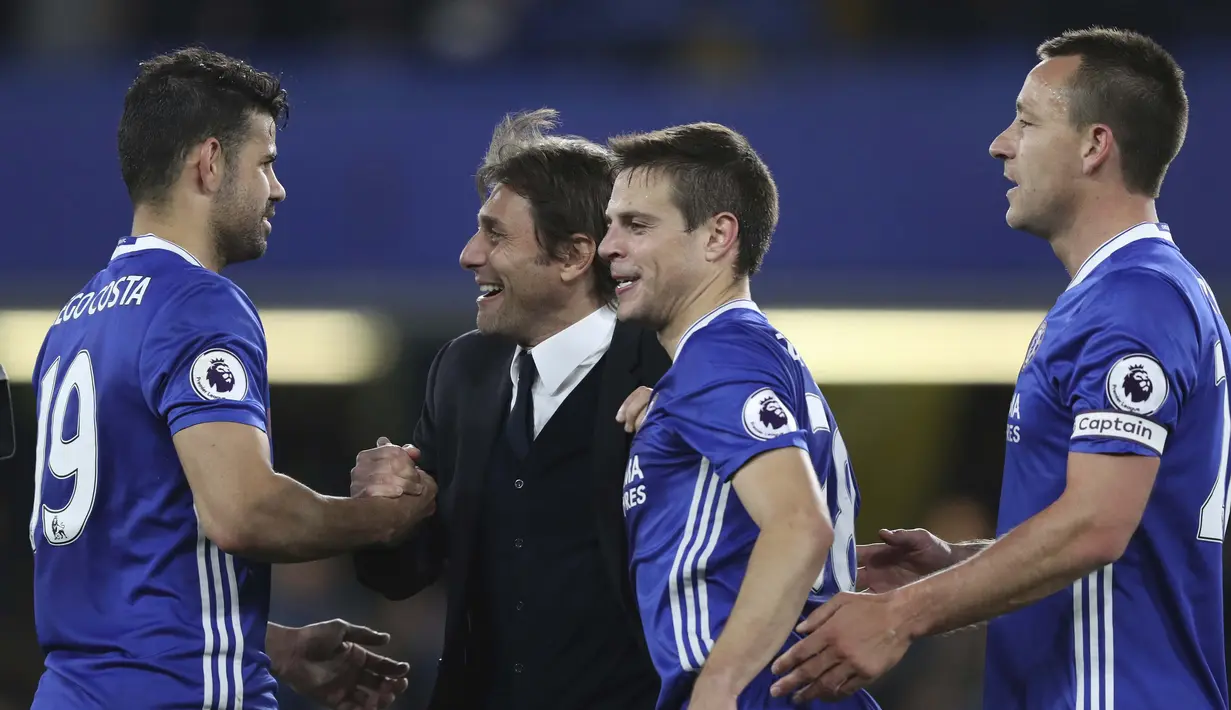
(1129, 82)
(714, 170)
(566, 179)
(180, 99)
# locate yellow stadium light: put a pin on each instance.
(323, 347)
(875, 346)
(840, 346)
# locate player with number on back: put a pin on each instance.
(1105, 585)
(738, 468)
(156, 509)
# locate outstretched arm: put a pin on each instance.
(855, 638)
(247, 509)
(1088, 527)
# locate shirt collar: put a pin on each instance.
(146, 242)
(1145, 230)
(558, 356)
(709, 318)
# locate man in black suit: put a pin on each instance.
(519, 429)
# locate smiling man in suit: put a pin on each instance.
(518, 428)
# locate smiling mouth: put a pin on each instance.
(487, 291)
(623, 285)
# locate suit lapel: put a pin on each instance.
(479, 421)
(619, 380)
(625, 371)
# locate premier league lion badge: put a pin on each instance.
(219, 374)
(765, 416)
(1137, 384)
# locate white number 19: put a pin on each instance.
(76, 458)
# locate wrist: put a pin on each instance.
(908, 608)
(962, 551)
(278, 646)
(716, 684)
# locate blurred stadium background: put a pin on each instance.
(892, 268)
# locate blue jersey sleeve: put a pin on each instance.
(1132, 359)
(736, 398)
(203, 359)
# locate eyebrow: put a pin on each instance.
(626, 216)
(489, 223)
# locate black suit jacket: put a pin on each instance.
(468, 388)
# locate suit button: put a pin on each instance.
(517, 543)
(518, 668)
(518, 483)
(521, 605)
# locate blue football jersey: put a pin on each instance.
(134, 607)
(1131, 360)
(737, 389)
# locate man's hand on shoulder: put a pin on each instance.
(632, 413)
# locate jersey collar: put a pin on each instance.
(146, 242)
(1145, 230)
(709, 318)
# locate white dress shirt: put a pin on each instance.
(563, 361)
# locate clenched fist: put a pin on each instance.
(387, 471)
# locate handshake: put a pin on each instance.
(390, 471)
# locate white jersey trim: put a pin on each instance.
(673, 584)
(1094, 648)
(220, 623)
(149, 241)
(208, 657)
(1145, 230)
(237, 632)
(687, 588)
(695, 591)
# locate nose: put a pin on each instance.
(277, 192)
(473, 254)
(1002, 146)
(610, 248)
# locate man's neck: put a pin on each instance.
(576, 310)
(193, 239)
(1095, 225)
(707, 300)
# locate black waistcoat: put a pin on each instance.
(547, 629)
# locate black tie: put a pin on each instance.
(520, 428)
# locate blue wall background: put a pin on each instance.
(888, 193)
